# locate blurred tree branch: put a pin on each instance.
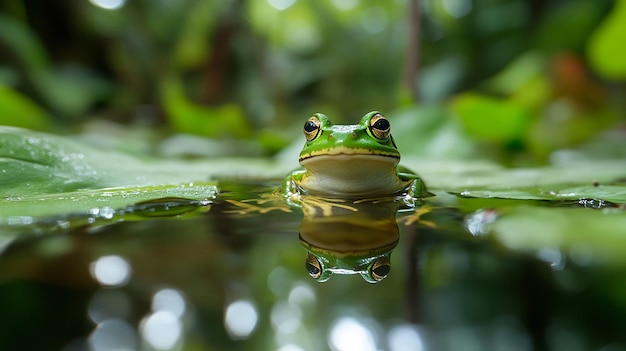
(413, 49)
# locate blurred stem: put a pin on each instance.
(413, 49)
(216, 70)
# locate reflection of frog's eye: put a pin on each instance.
(380, 268)
(311, 128)
(380, 126)
(313, 266)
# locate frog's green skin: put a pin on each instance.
(355, 239)
(351, 161)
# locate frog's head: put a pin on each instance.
(350, 158)
(372, 136)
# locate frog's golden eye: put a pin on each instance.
(311, 128)
(313, 266)
(380, 268)
(380, 126)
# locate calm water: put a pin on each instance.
(224, 280)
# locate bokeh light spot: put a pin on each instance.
(169, 300)
(348, 334)
(113, 334)
(108, 4)
(240, 319)
(111, 270)
(162, 330)
(405, 337)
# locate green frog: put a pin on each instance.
(351, 161)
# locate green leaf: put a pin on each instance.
(428, 131)
(491, 119)
(517, 74)
(104, 203)
(18, 110)
(193, 118)
(45, 177)
(565, 28)
(190, 48)
(599, 179)
(71, 89)
(606, 49)
(612, 193)
(23, 43)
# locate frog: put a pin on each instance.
(351, 161)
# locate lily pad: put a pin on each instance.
(601, 180)
(47, 178)
(612, 193)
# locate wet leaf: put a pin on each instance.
(104, 203)
(46, 176)
(601, 180)
(612, 193)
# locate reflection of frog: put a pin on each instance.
(351, 161)
(356, 238)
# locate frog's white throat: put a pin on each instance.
(351, 175)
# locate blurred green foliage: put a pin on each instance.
(510, 79)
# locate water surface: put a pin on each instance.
(223, 280)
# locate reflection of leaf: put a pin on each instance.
(599, 235)
(606, 49)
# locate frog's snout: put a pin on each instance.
(340, 137)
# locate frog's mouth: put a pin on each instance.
(350, 162)
(344, 151)
(351, 174)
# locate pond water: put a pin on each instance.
(241, 275)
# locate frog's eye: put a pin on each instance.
(313, 266)
(380, 268)
(380, 126)
(311, 128)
